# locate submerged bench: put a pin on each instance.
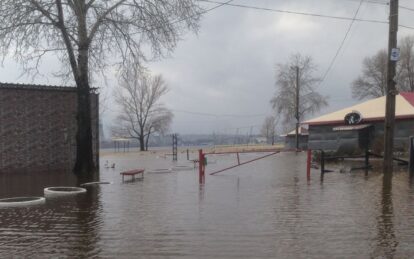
(132, 173)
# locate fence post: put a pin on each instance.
(308, 164)
(200, 166)
(366, 159)
(174, 146)
(322, 164)
(411, 165)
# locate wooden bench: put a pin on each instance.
(132, 173)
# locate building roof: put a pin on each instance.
(34, 86)
(371, 110)
(302, 131)
(39, 87)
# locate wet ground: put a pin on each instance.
(263, 209)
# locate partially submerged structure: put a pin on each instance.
(290, 138)
(361, 126)
(38, 127)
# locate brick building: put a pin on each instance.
(38, 127)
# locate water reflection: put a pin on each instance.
(86, 178)
(266, 209)
(32, 184)
(411, 179)
(386, 239)
(63, 226)
(201, 193)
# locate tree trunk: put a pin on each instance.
(147, 138)
(142, 142)
(146, 143)
(84, 159)
(84, 152)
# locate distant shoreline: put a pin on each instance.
(192, 149)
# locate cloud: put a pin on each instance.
(229, 66)
(298, 27)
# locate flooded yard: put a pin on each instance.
(263, 209)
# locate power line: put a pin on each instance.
(371, 2)
(342, 43)
(220, 115)
(407, 8)
(294, 12)
(406, 27)
(385, 4)
(353, 19)
(376, 2)
(304, 13)
(215, 7)
(219, 4)
(212, 114)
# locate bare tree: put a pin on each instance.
(142, 112)
(89, 35)
(159, 123)
(373, 81)
(285, 102)
(405, 69)
(268, 129)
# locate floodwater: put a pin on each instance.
(265, 209)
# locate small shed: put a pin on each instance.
(290, 138)
(361, 126)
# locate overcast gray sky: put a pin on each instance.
(229, 67)
(223, 77)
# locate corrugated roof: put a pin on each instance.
(371, 110)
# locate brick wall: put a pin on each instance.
(38, 128)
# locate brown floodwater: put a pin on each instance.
(265, 209)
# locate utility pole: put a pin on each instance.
(297, 107)
(236, 138)
(250, 135)
(393, 56)
(174, 146)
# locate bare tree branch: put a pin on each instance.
(405, 68)
(141, 107)
(284, 101)
(268, 129)
(90, 36)
(373, 81)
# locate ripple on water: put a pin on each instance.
(264, 209)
